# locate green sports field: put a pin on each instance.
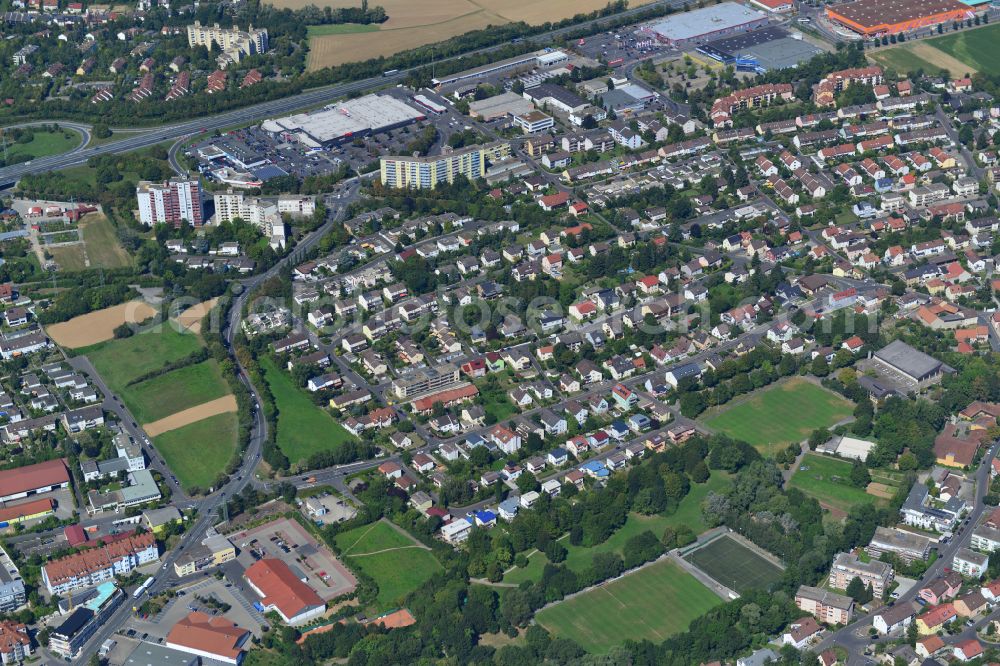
(198, 452)
(653, 603)
(120, 361)
(398, 563)
(303, 428)
(774, 417)
(732, 564)
(578, 558)
(829, 481)
(180, 389)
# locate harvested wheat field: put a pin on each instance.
(98, 326)
(331, 50)
(191, 318)
(412, 24)
(185, 417)
(880, 490)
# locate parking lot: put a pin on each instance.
(198, 597)
(625, 46)
(337, 510)
(286, 540)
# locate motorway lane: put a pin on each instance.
(263, 110)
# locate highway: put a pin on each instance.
(258, 112)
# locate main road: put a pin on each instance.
(258, 112)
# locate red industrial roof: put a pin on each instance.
(214, 635)
(31, 508)
(32, 477)
(281, 588)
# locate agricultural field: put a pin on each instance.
(69, 257)
(120, 361)
(198, 452)
(734, 565)
(98, 326)
(175, 391)
(775, 416)
(964, 52)
(413, 24)
(303, 427)
(397, 562)
(578, 558)
(652, 603)
(829, 481)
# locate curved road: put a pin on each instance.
(257, 112)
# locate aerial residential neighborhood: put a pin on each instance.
(653, 333)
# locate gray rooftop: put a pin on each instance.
(688, 25)
(908, 360)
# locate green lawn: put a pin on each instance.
(653, 603)
(397, 563)
(44, 143)
(120, 361)
(979, 48)
(902, 59)
(168, 394)
(828, 480)
(303, 428)
(780, 414)
(198, 452)
(340, 29)
(579, 558)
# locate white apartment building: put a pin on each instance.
(175, 202)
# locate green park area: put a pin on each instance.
(652, 603)
(41, 144)
(785, 412)
(196, 453)
(578, 558)
(397, 562)
(303, 427)
(829, 481)
(174, 391)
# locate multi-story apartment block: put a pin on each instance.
(101, 563)
(847, 567)
(425, 381)
(429, 172)
(234, 43)
(824, 605)
(175, 202)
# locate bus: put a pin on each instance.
(142, 588)
(390, 72)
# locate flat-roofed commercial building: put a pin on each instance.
(344, 121)
(873, 18)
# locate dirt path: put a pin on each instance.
(94, 327)
(191, 318)
(185, 417)
(389, 550)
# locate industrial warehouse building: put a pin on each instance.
(873, 18)
(33, 479)
(344, 121)
(702, 25)
(761, 50)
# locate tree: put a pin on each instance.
(860, 478)
(856, 589)
(700, 473)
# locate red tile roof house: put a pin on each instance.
(928, 645)
(281, 591)
(968, 650)
(553, 201)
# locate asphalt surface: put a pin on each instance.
(264, 110)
